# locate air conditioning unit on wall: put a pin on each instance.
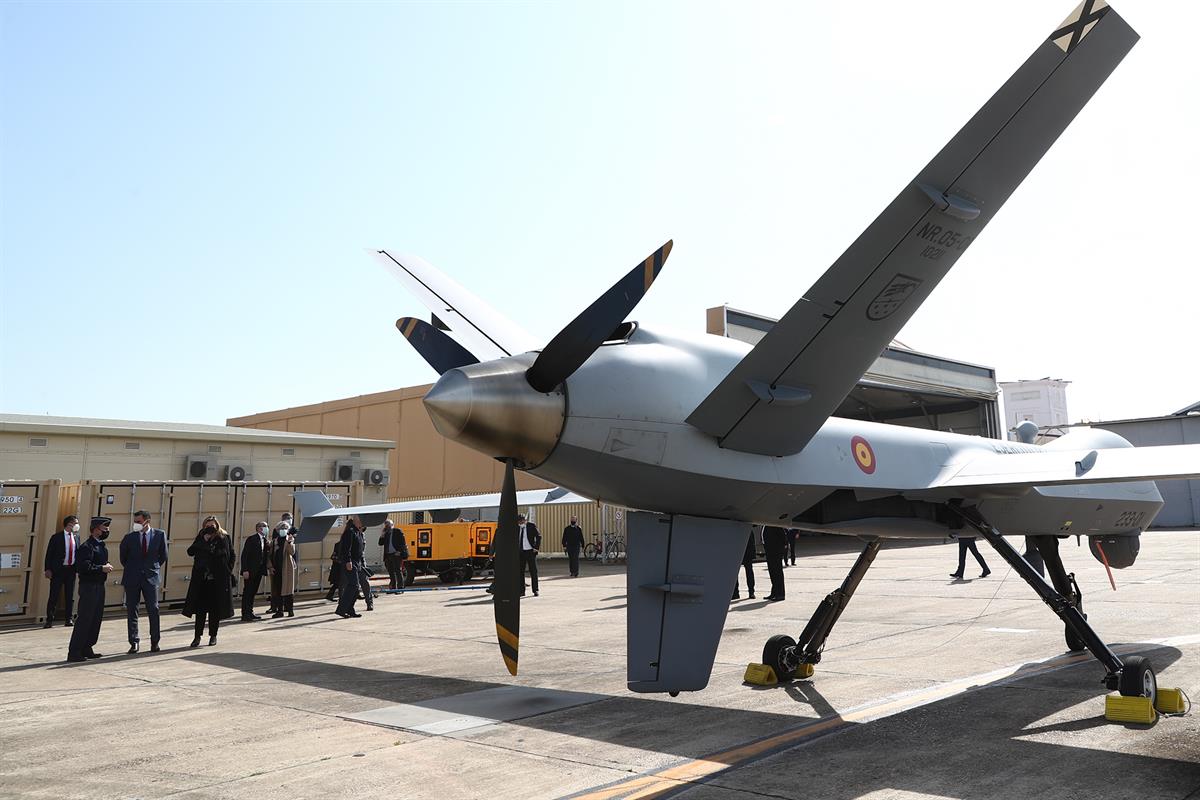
(374, 476)
(345, 469)
(200, 468)
(237, 472)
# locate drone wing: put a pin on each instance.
(781, 393)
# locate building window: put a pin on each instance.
(133, 445)
(356, 454)
(38, 442)
(214, 448)
(289, 451)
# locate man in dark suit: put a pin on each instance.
(395, 553)
(572, 540)
(774, 542)
(254, 566)
(143, 554)
(91, 564)
(60, 568)
(351, 546)
(531, 540)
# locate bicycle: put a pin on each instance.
(594, 550)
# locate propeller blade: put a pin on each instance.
(510, 578)
(439, 350)
(575, 343)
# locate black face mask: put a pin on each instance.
(210, 529)
(103, 535)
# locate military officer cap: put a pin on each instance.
(98, 521)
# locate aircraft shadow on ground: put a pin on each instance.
(940, 745)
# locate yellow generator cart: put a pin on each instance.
(454, 551)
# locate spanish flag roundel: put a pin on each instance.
(864, 456)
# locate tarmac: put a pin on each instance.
(929, 688)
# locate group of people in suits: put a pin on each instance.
(143, 555)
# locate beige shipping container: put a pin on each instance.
(28, 518)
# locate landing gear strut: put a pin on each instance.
(1133, 677)
(790, 658)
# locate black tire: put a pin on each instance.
(589, 551)
(1138, 679)
(450, 576)
(1074, 643)
(409, 574)
(468, 573)
(772, 656)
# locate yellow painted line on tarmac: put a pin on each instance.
(656, 784)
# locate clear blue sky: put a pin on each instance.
(187, 189)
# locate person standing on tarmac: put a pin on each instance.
(572, 540)
(774, 542)
(395, 553)
(351, 546)
(748, 564)
(60, 568)
(254, 566)
(92, 567)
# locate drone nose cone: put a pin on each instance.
(491, 408)
(449, 404)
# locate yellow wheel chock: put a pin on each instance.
(760, 675)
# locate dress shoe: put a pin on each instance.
(342, 614)
(291, 613)
(49, 624)
(370, 608)
(93, 654)
(277, 615)
(535, 594)
(956, 575)
(68, 624)
(212, 640)
(255, 616)
(737, 596)
(154, 648)
(76, 659)
(133, 647)
(751, 595)
(195, 642)
(986, 572)
(354, 614)
(772, 598)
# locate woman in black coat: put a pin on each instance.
(210, 593)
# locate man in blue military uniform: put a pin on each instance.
(91, 564)
(351, 546)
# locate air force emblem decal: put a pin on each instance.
(899, 289)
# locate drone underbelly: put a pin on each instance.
(1086, 509)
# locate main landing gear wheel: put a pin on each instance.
(773, 656)
(1138, 679)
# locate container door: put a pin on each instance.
(19, 506)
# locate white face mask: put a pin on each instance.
(75, 528)
(137, 527)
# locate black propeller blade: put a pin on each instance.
(442, 352)
(510, 577)
(575, 343)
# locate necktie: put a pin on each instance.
(145, 547)
(70, 550)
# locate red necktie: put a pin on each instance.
(145, 549)
(70, 550)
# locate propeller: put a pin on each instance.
(509, 576)
(575, 343)
(439, 350)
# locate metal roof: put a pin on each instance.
(83, 426)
